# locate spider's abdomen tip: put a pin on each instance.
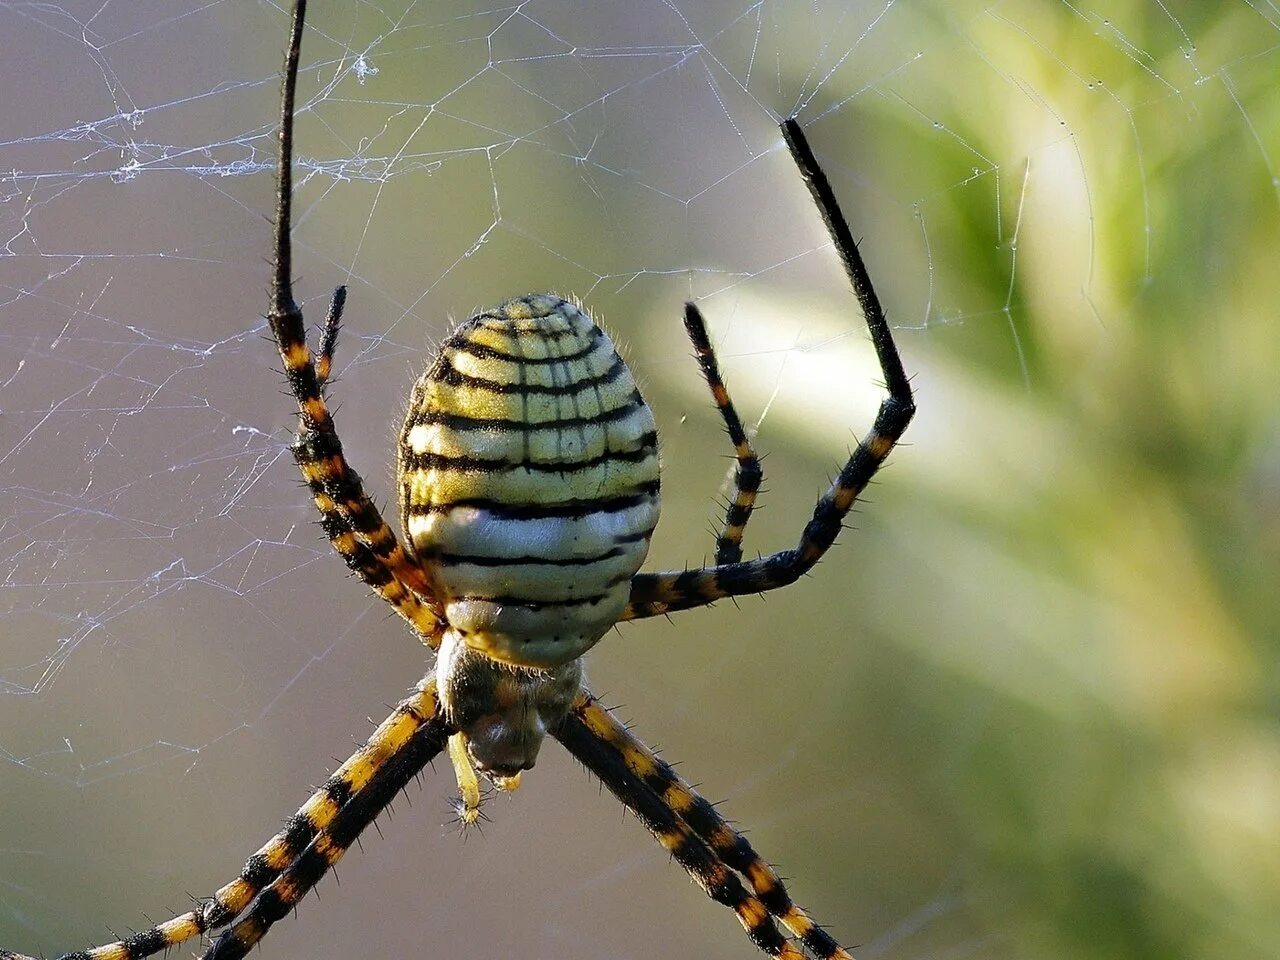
(529, 480)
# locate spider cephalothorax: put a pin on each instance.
(528, 478)
(501, 712)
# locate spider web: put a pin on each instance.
(180, 654)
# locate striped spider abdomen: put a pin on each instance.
(528, 476)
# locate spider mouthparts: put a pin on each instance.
(504, 771)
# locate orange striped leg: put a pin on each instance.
(658, 593)
(316, 817)
(317, 449)
(328, 846)
(606, 760)
(727, 843)
(748, 475)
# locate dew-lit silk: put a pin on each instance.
(529, 480)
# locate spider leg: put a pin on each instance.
(653, 594)
(426, 741)
(366, 565)
(592, 740)
(347, 512)
(380, 758)
(747, 475)
(329, 339)
(705, 821)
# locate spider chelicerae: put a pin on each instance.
(528, 489)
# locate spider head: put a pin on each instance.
(503, 711)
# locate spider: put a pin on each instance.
(528, 490)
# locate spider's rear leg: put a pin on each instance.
(747, 475)
(320, 816)
(593, 741)
(703, 818)
(325, 849)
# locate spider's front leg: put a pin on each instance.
(349, 518)
(747, 474)
(329, 338)
(653, 594)
(688, 825)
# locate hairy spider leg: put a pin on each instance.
(329, 337)
(747, 474)
(349, 517)
(653, 594)
(672, 831)
(327, 847)
(701, 815)
(320, 816)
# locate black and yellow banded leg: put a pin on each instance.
(319, 455)
(653, 594)
(727, 843)
(317, 449)
(312, 820)
(319, 812)
(328, 846)
(608, 762)
(747, 475)
(371, 569)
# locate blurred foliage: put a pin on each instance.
(1103, 535)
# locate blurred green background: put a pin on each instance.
(1027, 708)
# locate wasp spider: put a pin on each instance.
(528, 489)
